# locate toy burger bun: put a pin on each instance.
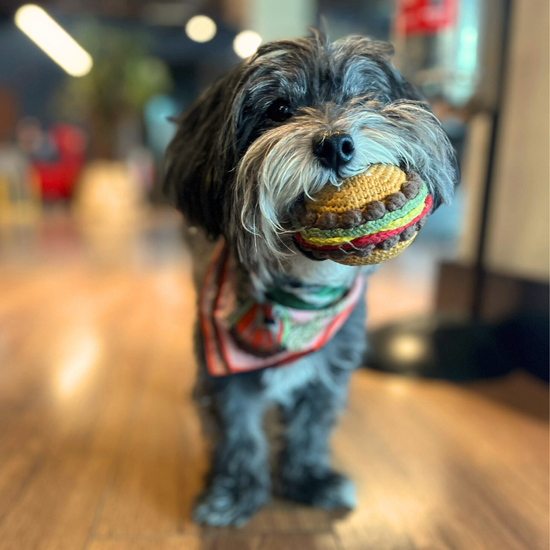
(368, 219)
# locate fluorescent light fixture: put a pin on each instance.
(53, 40)
(246, 43)
(200, 28)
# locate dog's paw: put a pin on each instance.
(328, 489)
(226, 503)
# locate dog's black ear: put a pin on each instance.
(450, 165)
(201, 156)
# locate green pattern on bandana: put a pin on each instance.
(329, 294)
(295, 334)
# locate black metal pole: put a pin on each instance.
(479, 267)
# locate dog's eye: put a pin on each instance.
(279, 111)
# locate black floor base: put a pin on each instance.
(461, 350)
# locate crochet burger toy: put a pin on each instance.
(368, 219)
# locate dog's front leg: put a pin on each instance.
(238, 483)
(306, 475)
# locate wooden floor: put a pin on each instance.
(100, 447)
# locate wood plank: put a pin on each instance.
(57, 509)
(170, 543)
(54, 507)
(186, 542)
(159, 470)
(438, 479)
(235, 542)
(299, 542)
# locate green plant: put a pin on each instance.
(124, 76)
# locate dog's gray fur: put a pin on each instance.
(235, 173)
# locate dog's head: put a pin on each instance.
(298, 115)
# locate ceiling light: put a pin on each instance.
(200, 28)
(246, 43)
(53, 40)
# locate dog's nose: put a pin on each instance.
(333, 150)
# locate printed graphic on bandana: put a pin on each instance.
(250, 336)
(257, 329)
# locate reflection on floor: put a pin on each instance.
(100, 447)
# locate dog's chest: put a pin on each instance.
(281, 382)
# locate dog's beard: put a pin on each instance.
(279, 169)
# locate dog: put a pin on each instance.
(243, 158)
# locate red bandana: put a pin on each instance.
(245, 336)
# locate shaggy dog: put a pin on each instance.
(295, 117)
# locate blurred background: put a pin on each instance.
(84, 122)
(100, 446)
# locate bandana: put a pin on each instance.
(243, 334)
